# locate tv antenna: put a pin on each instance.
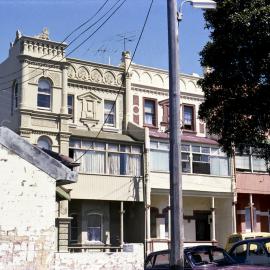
(126, 37)
(103, 50)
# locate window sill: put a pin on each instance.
(189, 131)
(113, 175)
(110, 128)
(151, 127)
(44, 109)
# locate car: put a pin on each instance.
(252, 251)
(198, 257)
(236, 237)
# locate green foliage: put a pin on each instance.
(237, 89)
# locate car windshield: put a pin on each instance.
(210, 256)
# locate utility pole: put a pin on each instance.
(177, 226)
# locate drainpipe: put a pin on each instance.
(213, 219)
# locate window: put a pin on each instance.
(188, 117)
(109, 113)
(153, 221)
(44, 142)
(159, 156)
(107, 158)
(44, 94)
(70, 104)
(74, 228)
(15, 97)
(194, 158)
(250, 163)
(150, 112)
(94, 227)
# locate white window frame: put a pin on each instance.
(42, 92)
(186, 148)
(111, 112)
(101, 226)
(83, 146)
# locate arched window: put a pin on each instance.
(44, 142)
(44, 94)
(94, 227)
(15, 97)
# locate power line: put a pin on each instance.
(119, 90)
(75, 47)
(62, 42)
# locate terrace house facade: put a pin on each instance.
(206, 170)
(113, 121)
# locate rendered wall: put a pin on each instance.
(27, 214)
(131, 259)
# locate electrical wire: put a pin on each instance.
(119, 91)
(61, 43)
(103, 23)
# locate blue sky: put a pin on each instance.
(63, 16)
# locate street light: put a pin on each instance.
(176, 198)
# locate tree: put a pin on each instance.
(237, 87)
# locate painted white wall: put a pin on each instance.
(27, 210)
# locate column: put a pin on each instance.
(126, 59)
(169, 217)
(252, 225)
(213, 210)
(147, 188)
(234, 216)
(64, 90)
(63, 222)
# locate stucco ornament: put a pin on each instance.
(109, 78)
(71, 72)
(120, 79)
(44, 34)
(96, 76)
(82, 73)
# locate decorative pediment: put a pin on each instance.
(90, 106)
(89, 96)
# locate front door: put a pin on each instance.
(202, 225)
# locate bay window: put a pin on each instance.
(194, 158)
(107, 158)
(250, 163)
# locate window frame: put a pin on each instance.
(74, 227)
(193, 118)
(154, 115)
(130, 150)
(43, 93)
(14, 97)
(111, 112)
(187, 150)
(45, 139)
(70, 106)
(101, 226)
